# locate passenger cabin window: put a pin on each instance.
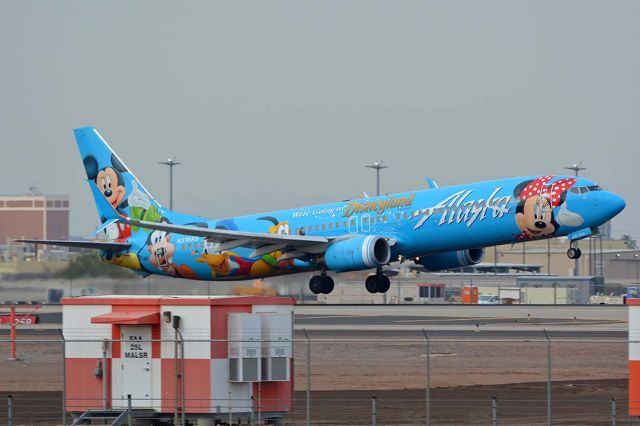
(337, 225)
(330, 225)
(317, 228)
(324, 227)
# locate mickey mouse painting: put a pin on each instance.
(109, 180)
(536, 200)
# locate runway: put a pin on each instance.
(439, 321)
(455, 321)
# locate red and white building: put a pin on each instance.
(634, 356)
(238, 354)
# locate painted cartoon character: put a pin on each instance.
(536, 200)
(161, 251)
(278, 228)
(226, 264)
(126, 260)
(109, 180)
(268, 264)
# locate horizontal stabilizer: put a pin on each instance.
(97, 245)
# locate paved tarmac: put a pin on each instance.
(440, 321)
(495, 321)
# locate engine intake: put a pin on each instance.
(357, 253)
(451, 259)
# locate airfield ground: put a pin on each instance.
(357, 352)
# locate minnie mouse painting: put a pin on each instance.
(536, 203)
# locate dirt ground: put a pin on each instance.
(346, 373)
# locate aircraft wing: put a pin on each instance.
(295, 245)
(99, 245)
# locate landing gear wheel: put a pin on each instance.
(371, 283)
(316, 284)
(327, 284)
(574, 253)
(383, 284)
(321, 284)
(378, 283)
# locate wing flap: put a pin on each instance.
(248, 239)
(96, 245)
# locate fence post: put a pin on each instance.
(10, 410)
(129, 416)
(613, 412)
(252, 418)
(308, 376)
(182, 380)
(104, 374)
(176, 375)
(494, 411)
(64, 379)
(373, 410)
(548, 377)
(427, 390)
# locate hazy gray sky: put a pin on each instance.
(277, 104)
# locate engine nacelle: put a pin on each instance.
(451, 259)
(360, 252)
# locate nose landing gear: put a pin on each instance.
(574, 253)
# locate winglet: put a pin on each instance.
(431, 183)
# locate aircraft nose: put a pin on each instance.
(614, 204)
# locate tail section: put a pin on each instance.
(115, 183)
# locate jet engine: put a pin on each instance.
(451, 259)
(357, 253)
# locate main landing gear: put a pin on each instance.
(574, 252)
(378, 283)
(321, 284)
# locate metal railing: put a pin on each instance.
(346, 380)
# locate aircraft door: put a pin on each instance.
(353, 224)
(365, 223)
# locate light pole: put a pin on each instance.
(377, 166)
(576, 169)
(171, 162)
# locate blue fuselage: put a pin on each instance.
(416, 223)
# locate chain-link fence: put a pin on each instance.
(337, 380)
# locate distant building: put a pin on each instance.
(605, 229)
(33, 216)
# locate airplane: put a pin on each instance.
(438, 228)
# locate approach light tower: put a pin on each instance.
(577, 168)
(171, 162)
(377, 166)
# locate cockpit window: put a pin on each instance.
(585, 189)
